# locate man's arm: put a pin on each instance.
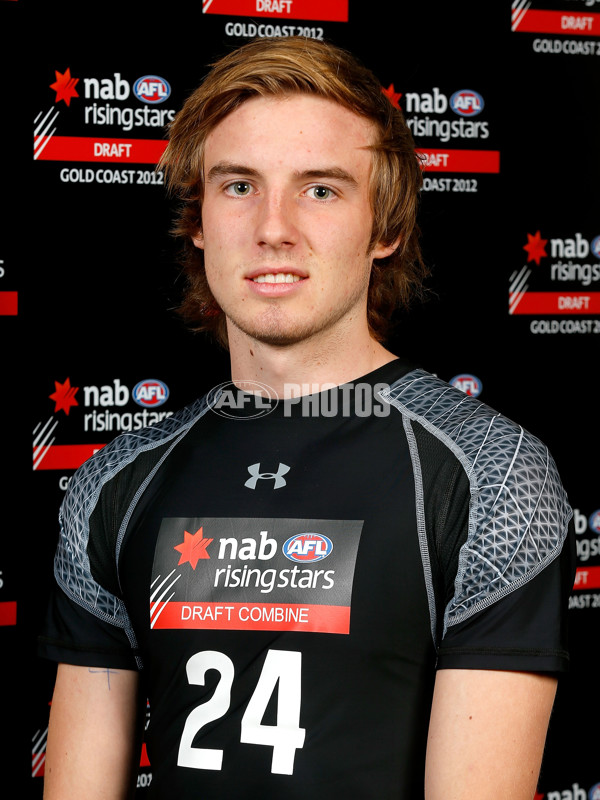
(487, 734)
(93, 738)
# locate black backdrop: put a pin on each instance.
(503, 98)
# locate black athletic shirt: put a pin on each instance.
(289, 575)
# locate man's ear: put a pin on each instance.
(384, 250)
(198, 240)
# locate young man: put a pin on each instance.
(342, 578)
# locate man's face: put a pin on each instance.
(286, 218)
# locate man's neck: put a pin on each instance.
(305, 367)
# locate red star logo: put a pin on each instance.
(535, 247)
(392, 96)
(64, 396)
(64, 86)
(193, 548)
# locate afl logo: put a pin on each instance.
(467, 103)
(150, 393)
(468, 384)
(594, 521)
(307, 547)
(596, 246)
(151, 89)
(594, 793)
(242, 400)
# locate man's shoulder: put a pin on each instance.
(497, 454)
(519, 511)
(145, 445)
(454, 416)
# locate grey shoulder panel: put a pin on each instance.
(519, 511)
(71, 562)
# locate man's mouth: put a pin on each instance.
(278, 277)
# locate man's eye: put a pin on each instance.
(240, 188)
(321, 192)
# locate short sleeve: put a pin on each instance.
(509, 567)
(71, 635)
(526, 630)
(85, 620)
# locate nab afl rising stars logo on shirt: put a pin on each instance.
(254, 574)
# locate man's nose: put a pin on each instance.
(276, 224)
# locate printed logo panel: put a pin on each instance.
(103, 408)
(560, 278)
(254, 574)
(111, 124)
(448, 130)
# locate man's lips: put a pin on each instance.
(277, 275)
(275, 281)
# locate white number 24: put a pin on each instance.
(281, 667)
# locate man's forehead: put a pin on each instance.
(322, 131)
(291, 107)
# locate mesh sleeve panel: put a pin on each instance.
(519, 512)
(72, 567)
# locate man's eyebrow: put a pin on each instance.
(328, 173)
(224, 168)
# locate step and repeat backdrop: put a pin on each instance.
(504, 102)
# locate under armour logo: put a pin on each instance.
(254, 470)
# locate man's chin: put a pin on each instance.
(278, 338)
(273, 334)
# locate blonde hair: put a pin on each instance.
(283, 66)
